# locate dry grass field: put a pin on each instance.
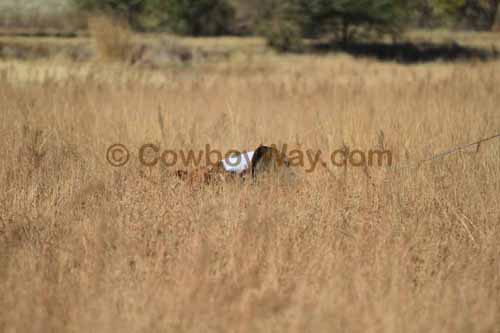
(85, 246)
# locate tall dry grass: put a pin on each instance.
(88, 247)
(112, 37)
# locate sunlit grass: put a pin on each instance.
(85, 246)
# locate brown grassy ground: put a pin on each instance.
(88, 247)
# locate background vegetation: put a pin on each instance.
(283, 22)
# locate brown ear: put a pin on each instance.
(267, 158)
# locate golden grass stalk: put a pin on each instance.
(113, 38)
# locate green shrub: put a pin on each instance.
(199, 17)
(284, 36)
(131, 10)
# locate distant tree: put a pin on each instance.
(283, 25)
(130, 9)
(468, 14)
(199, 17)
(496, 20)
(254, 16)
(422, 14)
(189, 17)
(479, 14)
(345, 19)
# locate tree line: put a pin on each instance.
(286, 22)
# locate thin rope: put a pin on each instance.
(451, 151)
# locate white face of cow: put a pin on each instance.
(238, 163)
